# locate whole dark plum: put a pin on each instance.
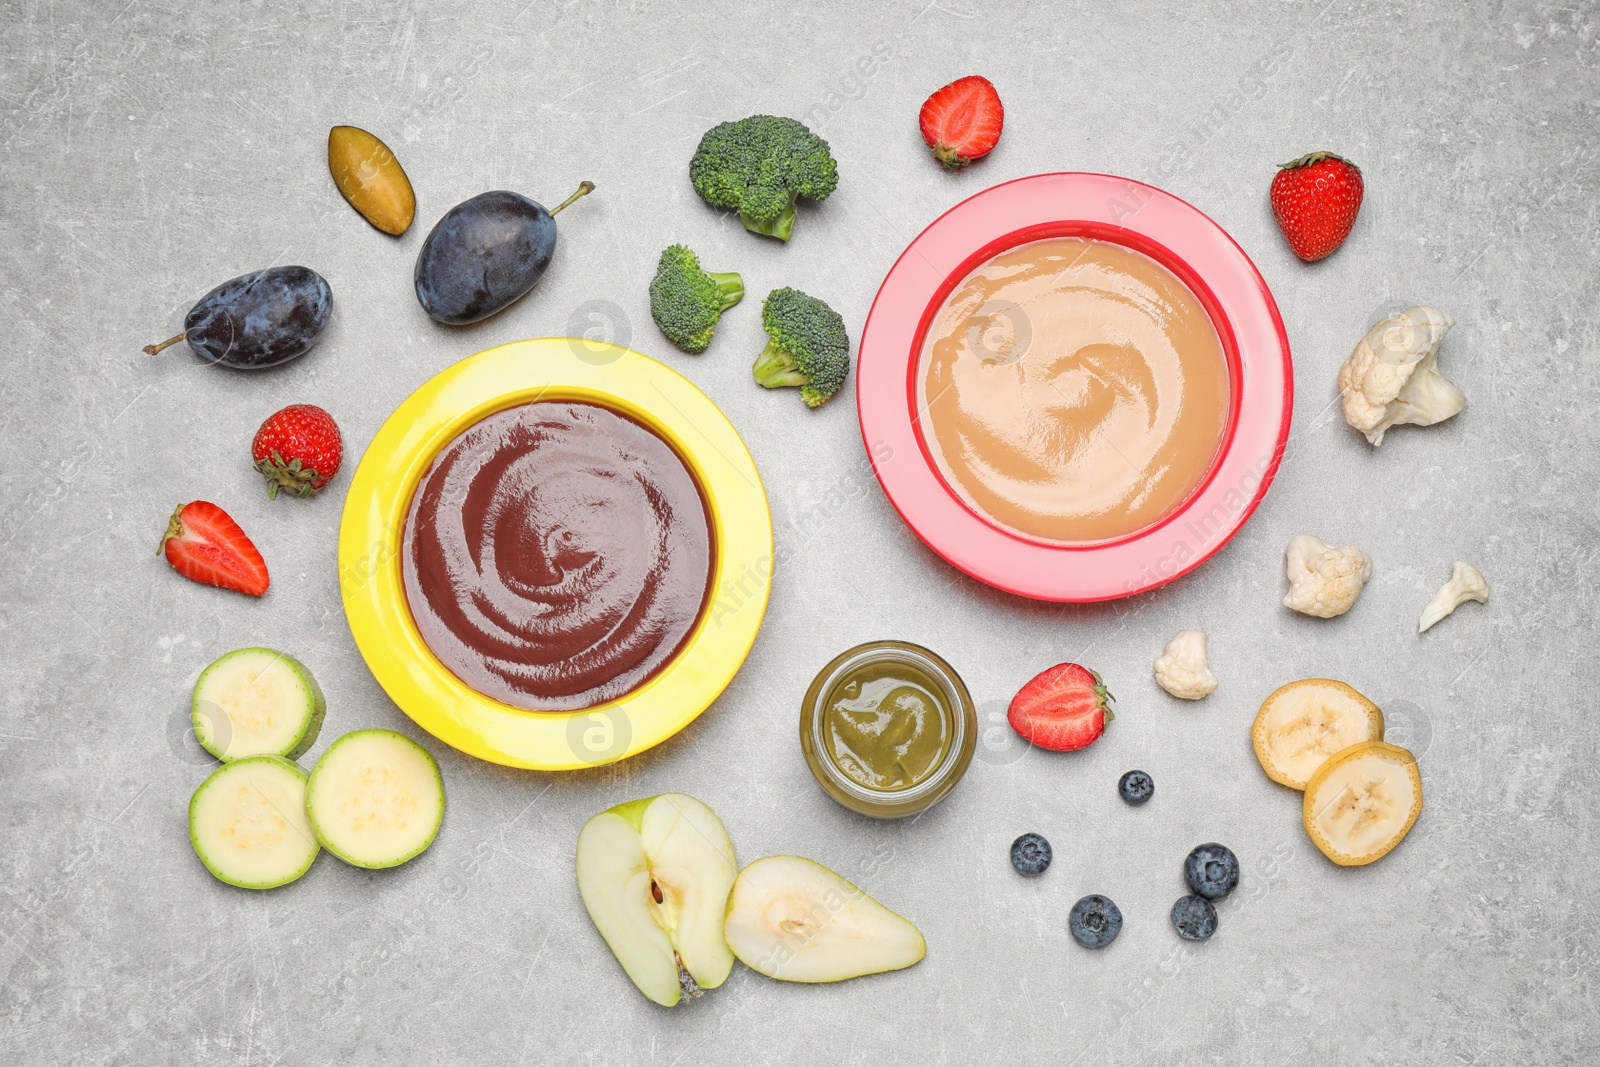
(258, 319)
(485, 254)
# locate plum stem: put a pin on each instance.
(151, 350)
(584, 189)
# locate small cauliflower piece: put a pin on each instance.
(1466, 583)
(1392, 377)
(1182, 669)
(1324, 581)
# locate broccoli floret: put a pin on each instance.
(757, 166)
(687, 302)
(807, 346)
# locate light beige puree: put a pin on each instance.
(1074, 390)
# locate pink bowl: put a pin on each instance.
(1105, 208)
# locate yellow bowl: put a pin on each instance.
(379, 500)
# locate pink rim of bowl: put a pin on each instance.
(1106, 208)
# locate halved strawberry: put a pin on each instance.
(204, 544)
(1062, 709)
(962, 121)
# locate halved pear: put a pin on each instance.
(793, 919)
(655, 876)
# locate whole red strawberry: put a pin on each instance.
(1315, 199)
(1062, 709)
(205, 545)
(298, 449)
(962, 121)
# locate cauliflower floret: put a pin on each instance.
(1466, 583)
(1391, 378)
(1324, 581)
(1182, 669)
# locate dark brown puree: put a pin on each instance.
(556, 555)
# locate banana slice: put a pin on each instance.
(1303, 723)
(1363, 802)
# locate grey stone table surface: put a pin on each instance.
(152, 149)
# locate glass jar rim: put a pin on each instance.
(963, 726)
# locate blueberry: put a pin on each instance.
(1030, 854)
(1211, 871)
(1136, 787)
(1194, 918)
(1095, 921)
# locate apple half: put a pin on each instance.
(655, 876)
(796, 920)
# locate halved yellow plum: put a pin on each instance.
(371, 179)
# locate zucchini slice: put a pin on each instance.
(248, 825)
(375, 798)
(256, 702)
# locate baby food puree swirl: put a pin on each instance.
(1073, 390)
(556, 555)
(887, 726)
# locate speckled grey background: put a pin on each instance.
(151, 150)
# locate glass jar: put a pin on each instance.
(922, 670)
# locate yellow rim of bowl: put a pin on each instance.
(379, 499)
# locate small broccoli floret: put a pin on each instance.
(757, 166)
(687, 302)
(807, 346)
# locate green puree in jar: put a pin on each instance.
(887, 726)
